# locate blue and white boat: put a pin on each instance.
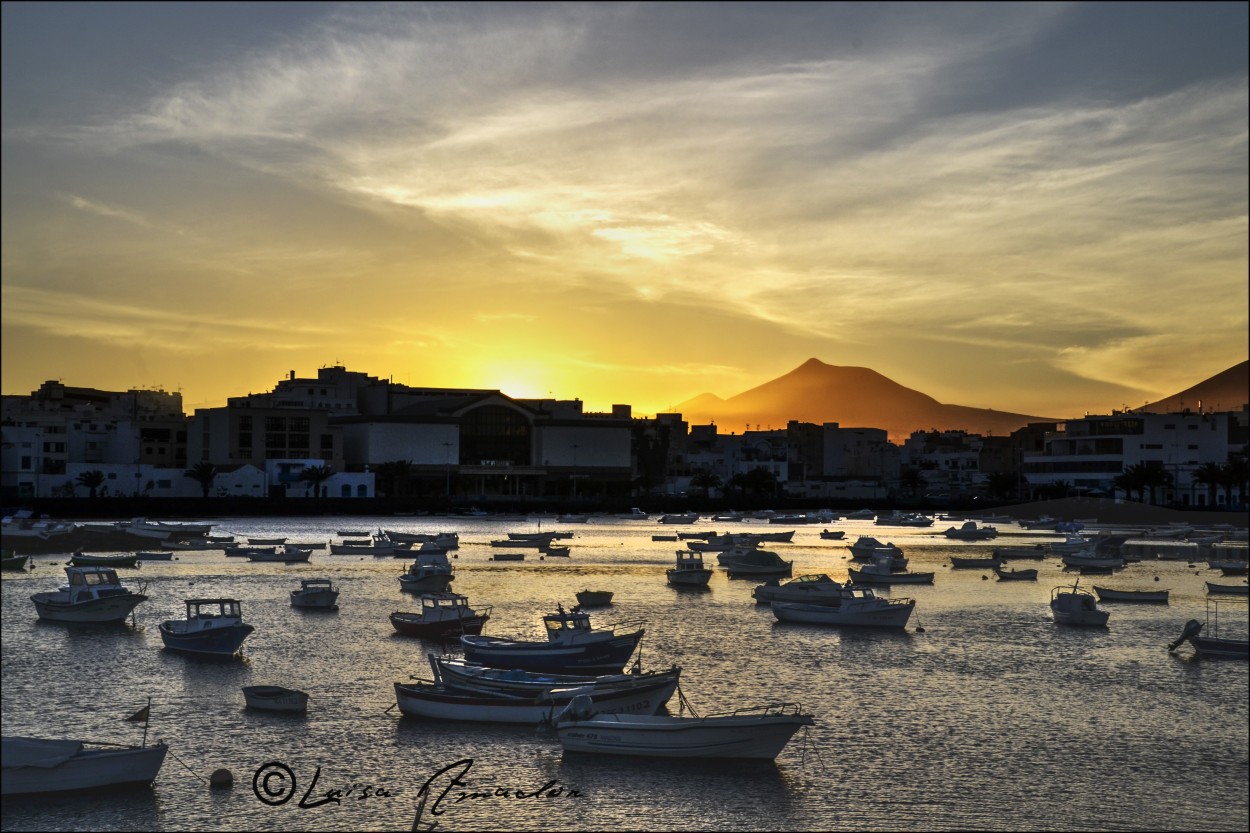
(213, 627)
(572, 647)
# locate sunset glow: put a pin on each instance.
(1039, 208)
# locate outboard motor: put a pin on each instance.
(1192, 627)
(580, 707)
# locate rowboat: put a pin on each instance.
(275, 698)
(508, 556)
(1036, 552)
(440, 703)
(759, 732)
(975, 563)
(37, 766)
(594, 598)
(80, 559)
(1015, 575)
(14, 561)
(1107, 594)
(471, 677)
(1228, 589)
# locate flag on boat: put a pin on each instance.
(140, 716)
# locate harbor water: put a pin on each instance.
(983, 714)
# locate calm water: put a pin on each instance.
(993, 717)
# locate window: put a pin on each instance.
(346, 491)
(26, 463)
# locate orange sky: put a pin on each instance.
(627, 203)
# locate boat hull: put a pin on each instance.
(220, 642)
(461, 676)
(603, 656)
(442, 704)
(412, 624)
(862, 577)
(275, 698)
(1106, 594)
(89, 769)
(689, 578)
(321, 600)
(1209, 646)
(754, 737)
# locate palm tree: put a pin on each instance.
(912, 480)
(706, 481)
(1130, 480)
(93, 480)
(760, 482)
(316, 475)
(1002, 484)
(1209, 475)
(1155, 477)
(204, 474)
(395, 475)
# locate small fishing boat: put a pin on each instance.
(555, 551)
(430, 573)
(14, 561)
(1108, 594)
(975, 563)
(759, 732)
(1015, 575)
(1074, 605)
(285, 554)
(164, 555)
(262, 542)
(316, 594)
(1228, 589)
(748, 561)
(442, 614)
(594, 598)
(881, 571)
(855, 607)
(1216, 645)
(810, 589)
(468, 676)
(508, 556)
(689, 570)
(94, 595)
(420, 699)
(969, 531)
(275, 698)
(572, 646)
(213, 627)
(832, 534)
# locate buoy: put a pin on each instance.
(919, 630)
(220, 779)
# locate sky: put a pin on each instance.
(1039, 208)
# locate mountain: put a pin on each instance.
(854, 397)
(1226, 391)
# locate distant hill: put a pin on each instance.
(854, 397)
(1226, 391)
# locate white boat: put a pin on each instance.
(38, 766)
(441, 703)
(447, 540)
(1074, 605)
(315, 593)
(442, 615)
(855, 607)
(969, 531)
(746, 561)
(689, 570)
(904, 519)
(757, 732)
(94, 595)
(430, 573)
(572, 646)
(810, 589)
(275, 698)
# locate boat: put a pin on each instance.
(881, 571)
(94, 595)
(1228, 589)
(14, 561)
(832, 534)
(1089, 559)
(442, 615)
(1108, 594)
(155, 556)
(594, 598)
(809, 589)
(35, 766)
(865, 547)
(350, 533)
(1215, 646)
(262, 542)
(1074, 605)
(572, 646)
(689, 570)
(758, 732)
(275, 698)
(213, 627)
(247, 552)
(1015, 575)
(546, 537)
(904, 519)
(508, 556)
(430, 573)
(287, 554)
(682, 518)
(743, 561)
(554, 551)
(969, 531)
(80, 559)
(975, 563)
(428, 700)
(634, 514)
(572, 518)
(468, 676)
(854, 607)
(315, 594)
(1036, 552)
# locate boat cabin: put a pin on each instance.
(566, 626)
(93, 583)
(207, 611)
(689, 560)
(445, 606)
(316, 585)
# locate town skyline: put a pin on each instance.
(1033, 208)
